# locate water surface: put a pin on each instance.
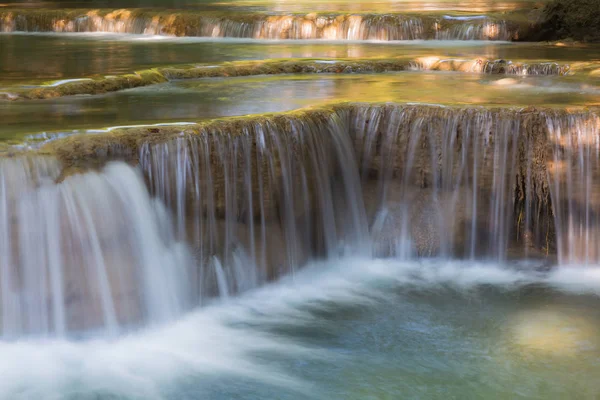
(193, 100)
(348, 329)
(34, 58)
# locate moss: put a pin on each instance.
(124, 143)
(286, 66)
(574, 19)
(94, 86)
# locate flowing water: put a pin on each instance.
(352, 328)
(430, 233)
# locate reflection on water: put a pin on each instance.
(206, 98)
(48, 57)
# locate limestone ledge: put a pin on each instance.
(81, 150)
(95, 86)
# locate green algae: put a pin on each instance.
(95, 86)
(82, 147)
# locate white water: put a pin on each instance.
(93, 252)
(217, 340)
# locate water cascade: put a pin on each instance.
(260, 26)
(299, 200)
(257, 201)
(232, 204)
(482, 66)
(247, 207)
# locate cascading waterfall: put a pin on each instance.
(474, 182)
(259, 203)
(241, 209)
(235, 204)
(309, 26)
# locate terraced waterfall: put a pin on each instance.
(264, 201)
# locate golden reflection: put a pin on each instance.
(554, 331)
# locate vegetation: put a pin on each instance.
(571, 19)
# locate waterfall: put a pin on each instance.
(224, 207)
(473, 182)
(93, 252)
(259, 203)
(260, 26)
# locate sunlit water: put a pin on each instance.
(194, 100)
(351, 329)
(35, 58)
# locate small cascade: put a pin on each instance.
(482, 29)
(93, 252)
(499, 67)
(507, 67)
(342, 27)
(260, 26)
(257, 201)
(574, 176)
